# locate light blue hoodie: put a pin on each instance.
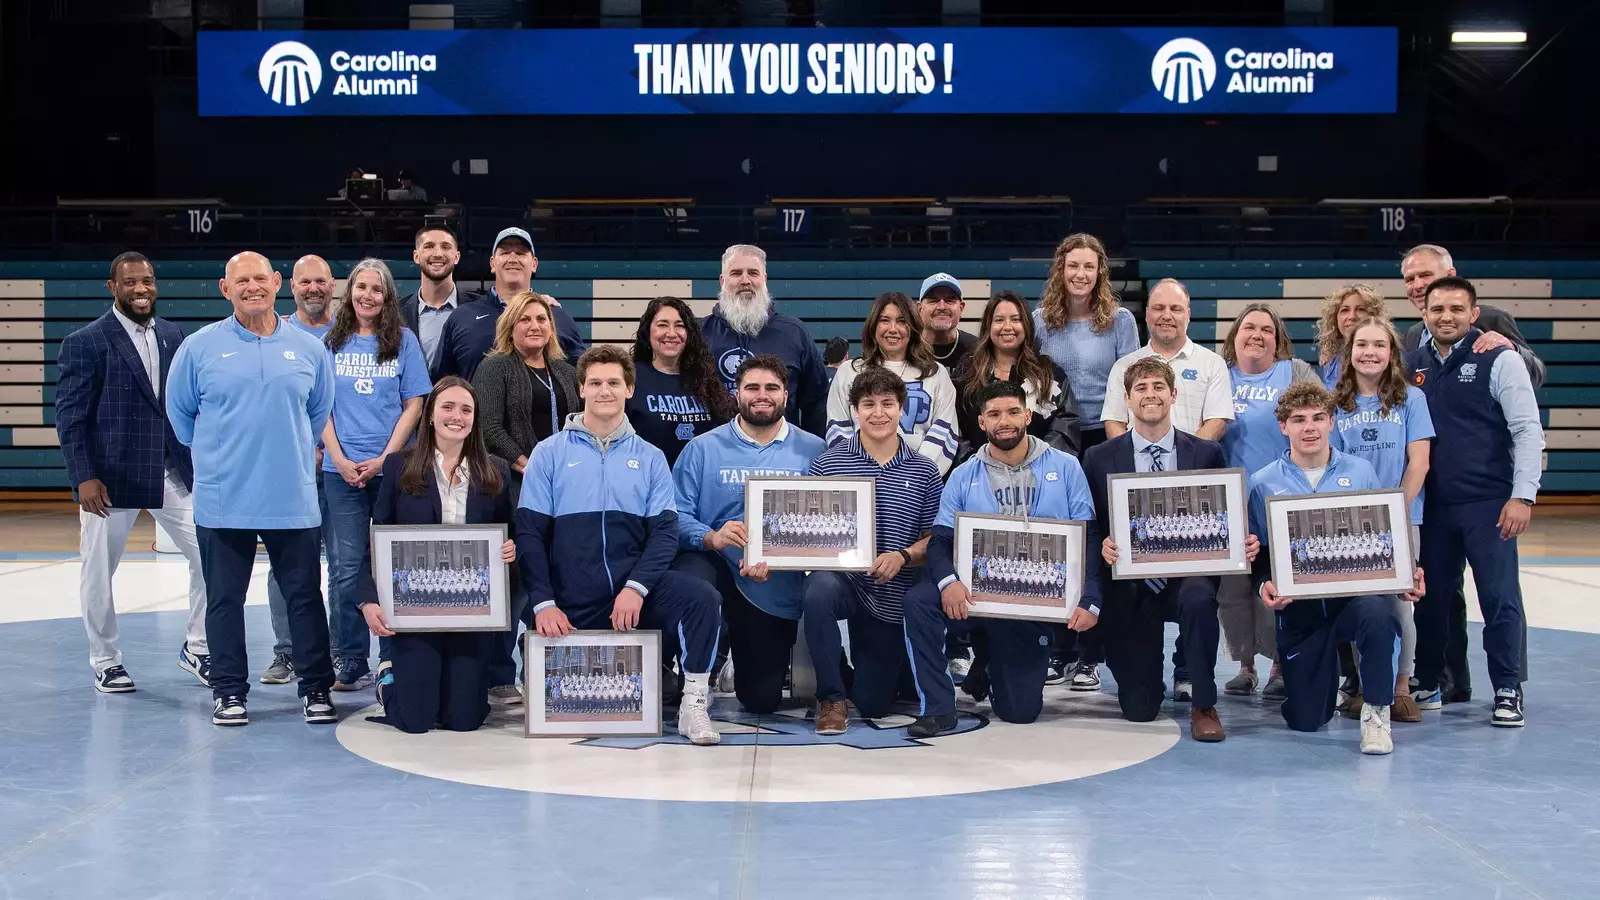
(710, 477)
(250, 409)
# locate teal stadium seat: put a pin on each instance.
(42, 302)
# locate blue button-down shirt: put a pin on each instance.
(1142, 461)
(430, 324)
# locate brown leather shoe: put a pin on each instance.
(1205, 727)
(1405, 709)
(833, 717)
(1350, 707)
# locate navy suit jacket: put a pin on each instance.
(1115, 457)
(396, 507)
(109, 421)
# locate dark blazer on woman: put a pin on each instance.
(1060, 429)
(396, 507)
(505, 402)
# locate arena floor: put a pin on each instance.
(139, 796)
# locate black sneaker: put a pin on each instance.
(1507, 708)
(928, 726)
(230, 711)
(114, 680)
(1085, 677)
(318, 708)
(195, 664)
(1057, 673)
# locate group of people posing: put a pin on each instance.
(1341, 554)
(831, 530)
(1016, 575)
(1179, 532)
(441, 586)
(622, 480)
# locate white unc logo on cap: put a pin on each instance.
(289, 73)
(1183, 70)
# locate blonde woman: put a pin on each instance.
(1082, 327)
(1340, 313)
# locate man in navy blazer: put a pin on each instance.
(122, 456)
(1133, 613)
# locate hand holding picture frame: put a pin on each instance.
(441, 577)
(592, 684)
(809, 523)
(1016, 568)
(1342, 544)
(1177, 524)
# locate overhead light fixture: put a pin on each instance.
(1488, 37)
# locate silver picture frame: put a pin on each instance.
(1350, 568)
(1180, 497)
(619, 694)
(828, 499)
(448, 604)
(1032, 584)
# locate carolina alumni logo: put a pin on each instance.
(1183, 70)
(289, 73)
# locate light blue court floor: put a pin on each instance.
(139, 796)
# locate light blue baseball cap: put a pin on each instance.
(512, 232)
(933, 281)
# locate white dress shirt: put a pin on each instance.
(452, 497)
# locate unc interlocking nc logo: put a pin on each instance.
(290, 73)
(1183, 70)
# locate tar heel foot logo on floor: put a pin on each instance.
(1183, 70)
(290, 73)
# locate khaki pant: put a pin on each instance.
(1249, 629)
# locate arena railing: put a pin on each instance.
(844, 228)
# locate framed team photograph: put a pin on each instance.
(1016, 568)
(592, 684)
(808, 523)
(1341, 544)
(441, 577)
(1173, 524)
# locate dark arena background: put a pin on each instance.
(1260, 151)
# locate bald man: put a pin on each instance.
(248, 395)
(312, 285)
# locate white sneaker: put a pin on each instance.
(694, 720)
(1375, 737)
(959, 667)
(725, 683)
(1183, 691)
(504, 695)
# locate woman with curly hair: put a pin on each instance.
(1340, 313)
(1082, 327)
(677, 393)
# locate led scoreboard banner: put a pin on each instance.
(835, 70)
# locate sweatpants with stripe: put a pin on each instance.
(680, 605)
(440, 679)
(1469, 532)
(1309, 632)
(879, 650)
(1018, 654)
(761, 643)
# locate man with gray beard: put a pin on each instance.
(744, 325)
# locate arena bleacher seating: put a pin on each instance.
(42, 302)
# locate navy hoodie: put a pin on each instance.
(786, 338)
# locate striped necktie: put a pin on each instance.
(1156, 585)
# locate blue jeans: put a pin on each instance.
(349, 530)
(275, 602)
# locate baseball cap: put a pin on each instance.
(512, 232)
(933, 281)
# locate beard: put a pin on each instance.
(1006, 445)
(313, 308)
(746, 315)
(125, 304)
(761, 420)
(448, 271)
